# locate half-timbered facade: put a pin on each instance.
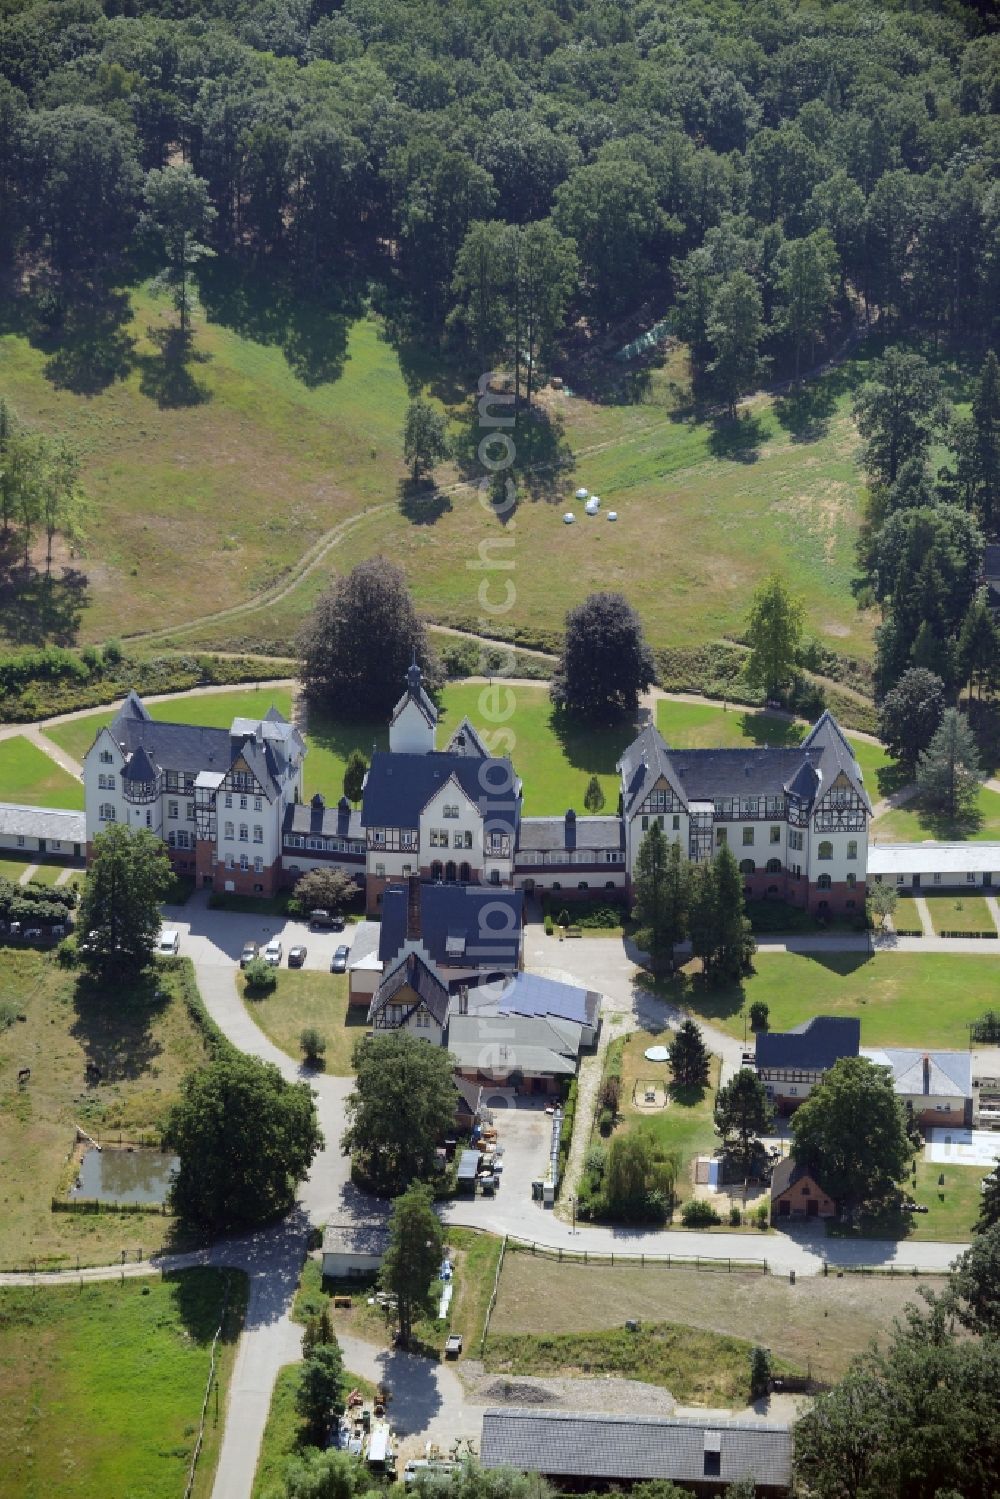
(796, 819)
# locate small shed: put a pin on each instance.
(468, 1171)
(354, 1250)
(795, 1193)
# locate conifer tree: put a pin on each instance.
(948, 773)
(689, 1057)
(661, 898)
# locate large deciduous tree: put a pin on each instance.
(324, 890)
(742, 1115)
(948, 772)
(119, 915)
(977, 445)
(899, 411)
(245, 1139)
(975, 1284)
(403, 1103)
(319, 1398)
(989, 1206)
(359, 641)
(908, 716)
(660, 890)
(774, 632)
(851, 1133)
(413, 1257)
(425, 437)
(180, 215)
(735, 329)
(606, 662)
(806, 284)
(84, 186)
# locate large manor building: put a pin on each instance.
(229, 805)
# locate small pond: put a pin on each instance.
(119, 1175)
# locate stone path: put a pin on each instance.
(28, 874)
(994, 909)
(923, 911)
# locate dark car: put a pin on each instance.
(296, 957)
(326, 921)
(338, 963)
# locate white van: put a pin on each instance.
(169, 944)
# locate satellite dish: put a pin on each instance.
(569, 517)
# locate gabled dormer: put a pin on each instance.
(466, 741)
(414, 718)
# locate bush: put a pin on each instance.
(699, 1214)
(760, 1373)
(595, 1161)
(563, 918)
(605, 1122)
(610, 1093)
(735, 1216)
(549, 925)
(759, 1015)
(66, 953)
(313, 1044)
(260, 977)
(762, 1216)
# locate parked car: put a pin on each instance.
(33, 934)
(169, 943)
(272, 952)
(338, 963)
(326, 921)
(250, 951)
(296, 956)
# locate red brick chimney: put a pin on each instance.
(413, 907)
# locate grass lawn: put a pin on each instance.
(309, 997)
(28, 775)
(820, 1323)
(698, 1367)
(903, 999)
(283, 1432)
(142, 1048)
(906, 917)
(953, 1206)
(555, 759)
(912, 823)
(103, 1385)
(12, 869)
(959, 913)
(47, 874)
(685, 1125)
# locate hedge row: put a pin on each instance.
(566, 1134)
(37, 684)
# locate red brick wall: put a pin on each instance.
(837, 897)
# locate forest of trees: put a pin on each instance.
(498, 173)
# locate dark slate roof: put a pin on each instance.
(633, 1448)
(991, 562)
(551, 833)
(399, 786)
(466, 741)
(709, 773)
(138, 768)
(415, 690)
(836, 752)
(531, 994)
(464, 926)
(414, 972)
(175, 746)
(814, 1045)
(134, 707)
(642, 764)
(316, 818)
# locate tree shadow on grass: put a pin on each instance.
(340, 736)
(167, 378)
(422, 504)
(311, 332)
(38, 608)
(542, 454)
(686, 1094)
(80, 326)
(199, 1296)
(765, 729)
(114, 1027)
(738, 440)
(805, 410)
(588, 748)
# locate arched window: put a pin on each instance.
(852, 880)
(747, 866)
(772, 889)
(437, 871)
(824, 882)
(852, 848)
(609, 884)
(464, 874)
(583, 885)
(825, 850)
(556, 885)
(449, 872)
(774, 866)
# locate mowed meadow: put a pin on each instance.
(293, 426)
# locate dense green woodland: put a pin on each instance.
(763, 161)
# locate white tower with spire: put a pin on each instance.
(414, 718)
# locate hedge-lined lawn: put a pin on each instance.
(28, 775)
(685, 1124)
(554, 758)
(906, 917)
(142, 1047)
(951, 1195)
(47, 874)
(12, 869)
(903, 999)
(959, 913)
(103, 1385)
(307, 996)
(913, 823)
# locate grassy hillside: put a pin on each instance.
(196, 508)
